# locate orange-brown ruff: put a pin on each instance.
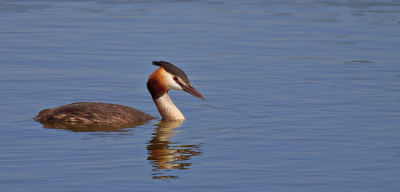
(165, 78)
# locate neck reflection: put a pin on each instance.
(165, 155)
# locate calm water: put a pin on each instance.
(299, 95)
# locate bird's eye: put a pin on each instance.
(175, 78)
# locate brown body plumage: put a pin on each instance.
(167, 77)
(93, 113)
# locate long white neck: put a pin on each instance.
(167, 109)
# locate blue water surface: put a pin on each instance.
(299, 95)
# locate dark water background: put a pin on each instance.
(299, 95)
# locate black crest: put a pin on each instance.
(174, 70)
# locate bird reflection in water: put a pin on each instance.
(78, 127)
(166, 155)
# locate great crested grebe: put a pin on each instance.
(165, 78)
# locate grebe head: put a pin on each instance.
(168, 77)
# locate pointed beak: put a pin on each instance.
(192, 91)
(189, 88)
